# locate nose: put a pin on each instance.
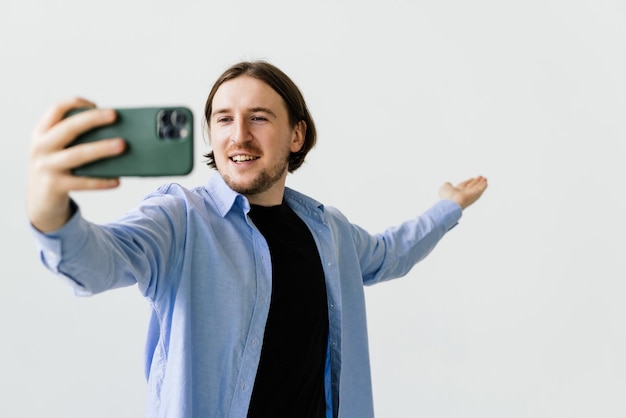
(240, 133)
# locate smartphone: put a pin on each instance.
(159, 142)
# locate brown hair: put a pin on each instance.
(285, 87)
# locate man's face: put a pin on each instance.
(252, 139)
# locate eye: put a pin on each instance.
(258, 118)
(224, 119)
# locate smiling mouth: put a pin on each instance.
(243, 158)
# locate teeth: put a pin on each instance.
(241, 158)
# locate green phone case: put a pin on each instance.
(159, 143)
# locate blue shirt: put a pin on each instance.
(205, 269)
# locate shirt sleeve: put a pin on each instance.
(394, 252)
(141, 247)
(51, 246)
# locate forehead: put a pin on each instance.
(246, 92)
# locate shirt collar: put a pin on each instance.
(226, 198)
(300, 202)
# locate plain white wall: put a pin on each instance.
(518, 313)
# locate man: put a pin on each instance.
(256, 289)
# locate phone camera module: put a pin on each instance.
(172, 124)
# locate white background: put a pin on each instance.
(518, 313)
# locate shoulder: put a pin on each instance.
(175, 190)
(174, 197)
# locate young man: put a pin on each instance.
(256, 289)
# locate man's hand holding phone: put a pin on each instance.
(50, 177)
(77, 146)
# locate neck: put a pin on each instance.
(267, 198)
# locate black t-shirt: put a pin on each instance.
(290, 378)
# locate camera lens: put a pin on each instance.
(169, 132)
(178, 118)
(164, 117)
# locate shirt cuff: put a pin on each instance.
(446, 213)
(50, 244)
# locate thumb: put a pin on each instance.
(446, 190)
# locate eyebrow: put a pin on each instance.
(252, 109)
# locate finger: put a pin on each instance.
(67, 182)
(81, 154)
(64, 132)
(481, 182)
(58, 111)
(472, 182)
(478, 187)
(89, 183)
(466, 183)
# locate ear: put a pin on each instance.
(298, 135)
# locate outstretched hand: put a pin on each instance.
(464, 193)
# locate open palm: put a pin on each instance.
(464, 193)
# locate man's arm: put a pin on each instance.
(394, 252)
(49, 174)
